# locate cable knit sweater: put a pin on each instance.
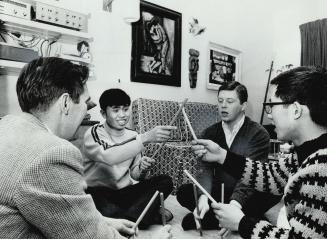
(302, 178)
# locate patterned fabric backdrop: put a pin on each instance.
(176, 154)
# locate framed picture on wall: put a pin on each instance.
(156, 46)
(224, 64)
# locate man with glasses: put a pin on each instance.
(268, 105)
(241, 135)
(297, 106)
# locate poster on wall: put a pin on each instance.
(223, 65)
(156, 46)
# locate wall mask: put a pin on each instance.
(193, 67)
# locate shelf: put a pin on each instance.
(79, 60)
(45, 30)
(9, 67)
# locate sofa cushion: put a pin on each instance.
(201, 116)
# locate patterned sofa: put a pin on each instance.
(176, 154)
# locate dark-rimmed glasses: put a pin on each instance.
(268, 105)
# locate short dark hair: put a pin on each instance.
(241, 90)
(114, 97)
(306, 85)
(44, 80)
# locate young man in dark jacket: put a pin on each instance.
(239, 134)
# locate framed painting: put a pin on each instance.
(156, 46)
(224, 64)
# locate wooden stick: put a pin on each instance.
(199, 186)
(224, 231)
(162, 204)
(197, 207)
(189, 124)
(222, 193)
(145, 210)
(171, 123)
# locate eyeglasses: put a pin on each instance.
(268, 105)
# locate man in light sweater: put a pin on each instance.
(241, 135)
(115, 164)
(41, 184)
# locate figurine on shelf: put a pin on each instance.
(83, 49)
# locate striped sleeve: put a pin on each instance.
(305, 200)
(100, 140)
(99, 148)
(265, 177)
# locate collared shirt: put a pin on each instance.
(50, 131)
(230, 134)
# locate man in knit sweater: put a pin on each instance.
(114, 162)
(41, 184)
(240, 135)
(297, 106)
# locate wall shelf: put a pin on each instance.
(10, 67)
(33, 28)
(44, 30)
(76, 59)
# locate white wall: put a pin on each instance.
(287, 17)
(262, 30)
(239, 25)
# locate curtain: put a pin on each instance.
(314, 43)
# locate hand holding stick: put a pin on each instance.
(171, 123)
(197, 207)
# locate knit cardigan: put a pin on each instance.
(302, 178)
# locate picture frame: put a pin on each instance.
(224, 64)
(156, 46)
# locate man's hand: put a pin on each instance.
(124, 226)
(146, 163)
(163, 233)
(203, 208)
(229, 215)
(157, 134)
(209, 151)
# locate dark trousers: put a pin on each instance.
(129, 202)
(255, 207)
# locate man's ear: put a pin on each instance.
(65, 102)
(103, 113)
(244, 106)
(297, 109)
